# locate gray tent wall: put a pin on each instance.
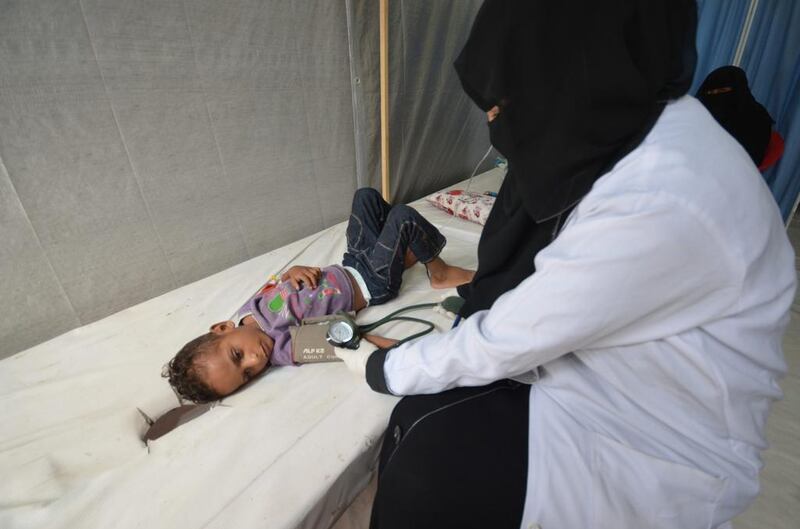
(145, 145)
(437, 135)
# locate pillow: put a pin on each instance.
(467, 205)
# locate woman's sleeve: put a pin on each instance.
(638, 269)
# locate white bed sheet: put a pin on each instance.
(292, 450)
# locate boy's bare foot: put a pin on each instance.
(443, 275)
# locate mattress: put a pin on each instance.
(292, 450)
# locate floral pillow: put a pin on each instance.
(467, 205)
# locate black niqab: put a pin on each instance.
(579, 83)
(726, 94)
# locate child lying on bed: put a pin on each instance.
(382, 241)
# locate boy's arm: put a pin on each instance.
(380, 341)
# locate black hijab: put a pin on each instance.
(579, 83)
(726, 95)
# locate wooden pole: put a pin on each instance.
(384, 37)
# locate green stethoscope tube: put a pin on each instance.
(394, 317)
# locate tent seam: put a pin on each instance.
(4, 170)
(354, 51)
(211, 124)
(303, 87)
(125, 146)
(744, 36)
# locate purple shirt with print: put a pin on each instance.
(282, 306)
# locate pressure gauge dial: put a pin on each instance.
(343, 332)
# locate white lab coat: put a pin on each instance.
(655, 319)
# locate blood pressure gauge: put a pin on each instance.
(343, 332)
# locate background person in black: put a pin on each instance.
(573, 87)
(726, 94)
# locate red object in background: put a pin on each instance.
(774, 151)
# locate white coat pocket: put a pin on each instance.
(632, 490)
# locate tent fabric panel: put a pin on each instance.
(154, 143)
(70, 169)
(437, 134)
(32, 293)
(146, 58)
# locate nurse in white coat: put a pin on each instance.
(651, 328)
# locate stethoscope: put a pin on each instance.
(343, 331)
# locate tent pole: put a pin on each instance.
(743, 36)
(384, 36)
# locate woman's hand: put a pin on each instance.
(356, 359)
(493, 113)
(302, 275)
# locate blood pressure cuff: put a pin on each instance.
(309, 343)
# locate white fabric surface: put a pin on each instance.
(656, 317)
(292, 450)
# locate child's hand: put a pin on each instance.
(302, 275)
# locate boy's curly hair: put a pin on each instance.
(183, 373)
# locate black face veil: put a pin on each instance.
(579, 84)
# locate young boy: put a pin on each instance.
(382, 241)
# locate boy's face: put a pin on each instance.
(238, 355)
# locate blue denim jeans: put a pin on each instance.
(378, 236)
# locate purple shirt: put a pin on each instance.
(276, 308)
